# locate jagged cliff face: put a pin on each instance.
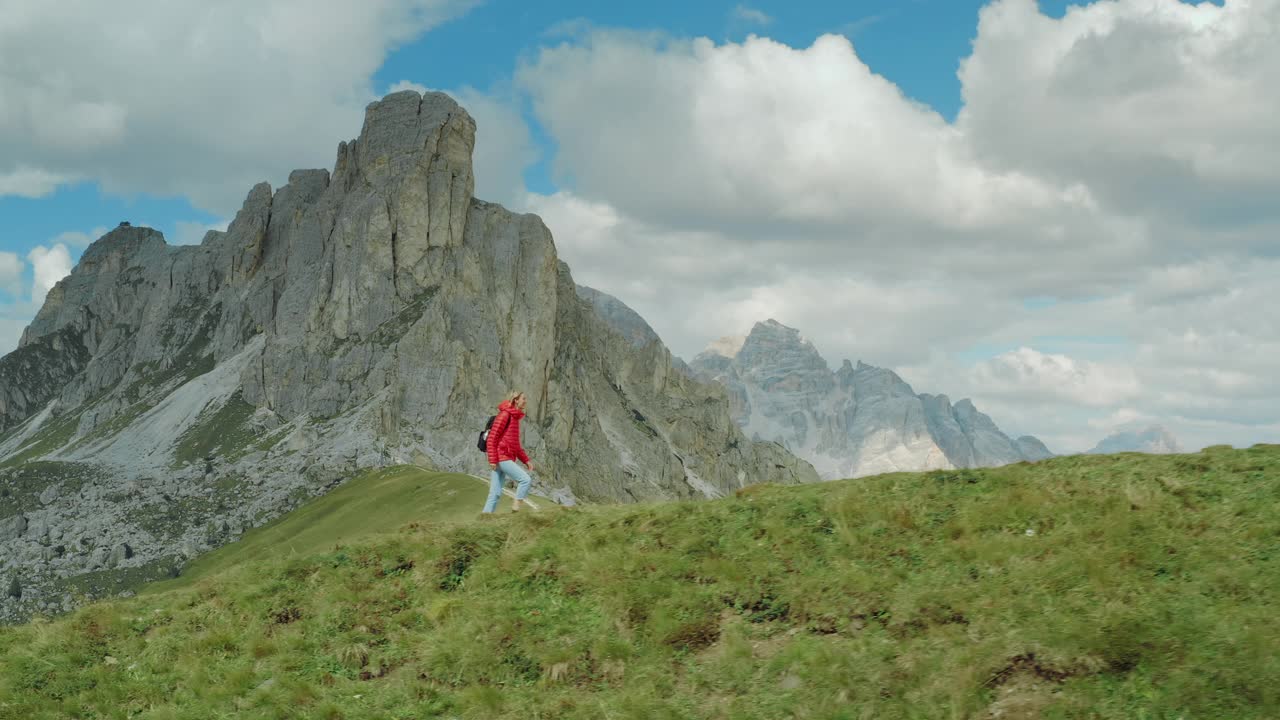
(173, 396)
(855, 421)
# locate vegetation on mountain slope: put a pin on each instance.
(376, 501)
(1125, 586)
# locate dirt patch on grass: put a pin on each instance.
(1023, 698)
(1026, 686)
(696, 635)
(1027, 664)
(286, 615)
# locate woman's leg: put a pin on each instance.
(495, 490)
(517, 473)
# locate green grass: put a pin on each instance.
(379, 501)
(224, 432)
(107, 583)
(271, 438)
(1125, 586)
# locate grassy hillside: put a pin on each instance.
(374, 502)
(1122, 586)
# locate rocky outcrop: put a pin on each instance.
(1032, 449)
(859, 420)
(990, 445)
(12, 528)
(1154, 439)
(32, 375)
(368, 315)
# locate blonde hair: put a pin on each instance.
(511, 396)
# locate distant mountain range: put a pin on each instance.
(1154, 439)
(859, 420)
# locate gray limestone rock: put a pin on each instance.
(1032, 449)
(947, 431)
(119, 554)
(49, 494)
(990, 446)
(12, 528)
(38, 529)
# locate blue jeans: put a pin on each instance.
(497, 477)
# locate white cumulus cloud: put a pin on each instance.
(202, 99)
(1157, 106)
(760, 132)
(28, 182)
(1029, 374)
(49, 265)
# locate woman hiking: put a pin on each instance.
(503, 446)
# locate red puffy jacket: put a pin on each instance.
(504, 437)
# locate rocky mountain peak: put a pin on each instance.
(1151, 439)
(406, 133)
(774, 332)
(971, 416)
(774, 347)
(115, 256)
(1032, 448)
(860, 419)
(872, 380)
(369, 315)
(122, 242)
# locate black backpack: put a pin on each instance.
(483, 442)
